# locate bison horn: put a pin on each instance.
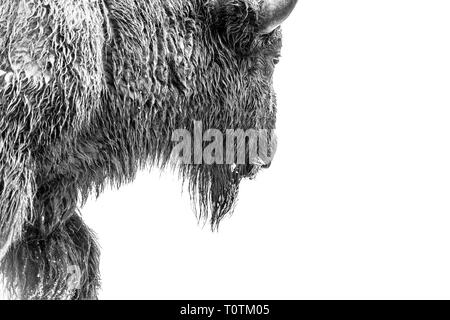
(273, 13)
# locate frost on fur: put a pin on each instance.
(91, 92)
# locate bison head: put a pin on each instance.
(187, 62)
(243, 44)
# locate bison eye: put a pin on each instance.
(276, 58)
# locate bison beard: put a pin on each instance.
(91, 92)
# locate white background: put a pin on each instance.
(357, 201)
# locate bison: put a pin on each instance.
(91, 92)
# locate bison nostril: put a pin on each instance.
(267, 166)
(276, 61)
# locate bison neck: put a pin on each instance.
(152, 58)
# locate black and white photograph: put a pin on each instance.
(224, 150)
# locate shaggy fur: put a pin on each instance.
(91, 92)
